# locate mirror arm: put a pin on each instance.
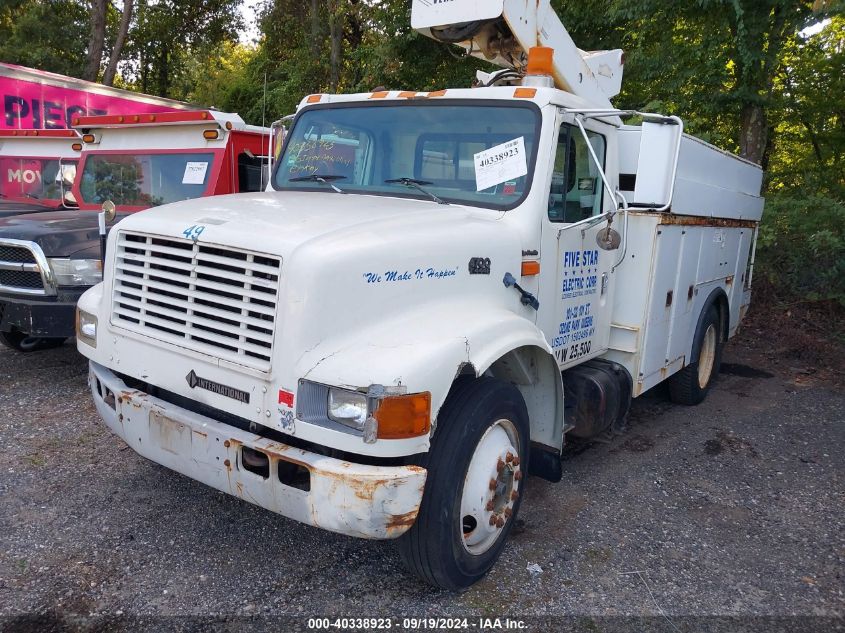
(624, 204)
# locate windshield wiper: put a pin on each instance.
(325, 179)
(417, 184)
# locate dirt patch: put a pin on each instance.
(744, 371)
(638, 444)
(727, 442)
(793, 336)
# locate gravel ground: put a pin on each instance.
(732, 508)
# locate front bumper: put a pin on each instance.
(376, 502)
(51, 316)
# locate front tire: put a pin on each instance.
(690, 385)
(476, 467)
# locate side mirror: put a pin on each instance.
(109, 211)
(65, 177)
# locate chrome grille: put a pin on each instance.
(20, 268)
(216, 300)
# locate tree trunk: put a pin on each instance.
(753, 132)
(163, 78)
(111, 69)
(315, 28)
(336, 37)
(96, 39)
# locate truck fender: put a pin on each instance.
(429, 350)
(718, 298)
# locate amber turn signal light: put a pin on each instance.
(88, 138)
(76, 147)
(530, 268)
(210, 134)
(405, 416)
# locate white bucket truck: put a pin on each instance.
(437, 289)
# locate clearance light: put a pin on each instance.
(210, 134)
(525, 93)
(530, 268)
(314, 98)
(204, 115)
(76, 147)
(152, 118)
(380, 94)
(404, 416)
(407, 94)
(228, 125)
(89, 138)
(136, 119)
(437, 93)
(540, 60)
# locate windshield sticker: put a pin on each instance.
(500, 164)
(194, 173)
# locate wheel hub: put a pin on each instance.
(491, 487)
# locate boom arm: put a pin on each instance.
(502, 31)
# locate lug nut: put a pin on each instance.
(514, 495)
(500, 523)
(509, 457)
(492, 484)
(500, 465)
(490, 506)
(492, 519)
(508, 513)
(517, 475)
(516, 461)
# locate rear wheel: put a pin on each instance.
(474, 487)
(690, 385)
(23, 342)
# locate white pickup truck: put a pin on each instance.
(438, 288)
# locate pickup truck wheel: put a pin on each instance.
(476, 465)
(23, 342)
(690, 385)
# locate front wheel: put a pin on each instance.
(476, 465)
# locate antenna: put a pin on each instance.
(263, 123)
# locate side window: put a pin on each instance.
(576, 191)
(252, 172)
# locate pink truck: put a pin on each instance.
(35, 99)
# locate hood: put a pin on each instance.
(9, 208)
(58, 233)
(279, 222)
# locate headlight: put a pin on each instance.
(77, 272)
(348, 407)
(86, 327)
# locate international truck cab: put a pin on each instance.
(440, 287)
(133, 162)
(37, 168)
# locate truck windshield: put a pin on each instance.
(144, 180)
(31, 178)
(467, 153)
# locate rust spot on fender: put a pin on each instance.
(401, 522)
(729, 281)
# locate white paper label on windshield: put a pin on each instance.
(194, 173)
(499, 164)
